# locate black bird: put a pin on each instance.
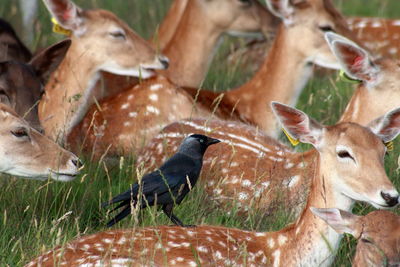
(169, 184)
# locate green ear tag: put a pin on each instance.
(293, 141)
(57, 28)
(389, 145)
(345, 78)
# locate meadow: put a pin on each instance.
(36, 216)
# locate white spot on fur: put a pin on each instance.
(125, 106)
(133, 114)
(271, 243)
(288, 165)
(277, 258)
(156, 87)
(153, 97)
(243, 196)
(246, 183)
(153, 109)
(282, 239)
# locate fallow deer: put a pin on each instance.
(379, 35)
(198, 29)
(142, 111)
(100, 42)
(338, 181)
(379, 80)
(376, 95)
(378, 235)
(11, 47)
(26, 153)
(21, 84)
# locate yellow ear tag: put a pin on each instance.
(345, 78)
(57, 28)
(293, 141)
(389, 145)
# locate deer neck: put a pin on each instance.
(192, 47)
(309, 240)
(68, 94)
(281, 78)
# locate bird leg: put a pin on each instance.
(168, 211)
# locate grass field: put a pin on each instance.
(36, 216)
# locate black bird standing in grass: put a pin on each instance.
(169, 184)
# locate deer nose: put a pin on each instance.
(164, 61)
(391, 201)
(76, 162)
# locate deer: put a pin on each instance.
(378, 80)
(11, 47)
(142, 113)
(195, 31)
(28, 154)
(21, 84)
(336, 182)
(249, 163)
(99, 42)
(379, 35)
(378, 234)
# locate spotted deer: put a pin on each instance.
(379, 35)
(195, 31)
(378, 235)
(336, 182)
(142, 111)
(26, 153)
(379, 80)
(273, 176)
(199, 30)
(100, 42)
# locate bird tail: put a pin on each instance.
(123, 200)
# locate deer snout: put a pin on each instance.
(75, 161)
(391, 197)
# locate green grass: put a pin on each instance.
(36, 216)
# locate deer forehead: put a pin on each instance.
(355, 137)
(381, 222)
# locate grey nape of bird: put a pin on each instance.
(168, 185)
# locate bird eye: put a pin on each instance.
(118, 35)
(344, 154)
(20, 133)
(201, 141)
(326, 28)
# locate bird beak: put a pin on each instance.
(212, 141)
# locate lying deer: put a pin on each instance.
(255, 171)
(379, 35)
(195, 31)
(100, 42)
(21, 84)
(336, 182)
(378, 235)
(126, 121)
(26, 153)
(11, 47)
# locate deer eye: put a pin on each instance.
(118, 34)
(344, 154)
(365, 240)
(326, 28)
(20, 133)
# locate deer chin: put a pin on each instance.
(62, 177)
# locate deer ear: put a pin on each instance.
(67, 14)
(341, 221)
(298, 125)
(387, 127)
(47, 61)
(355, 61)
(283, 9)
